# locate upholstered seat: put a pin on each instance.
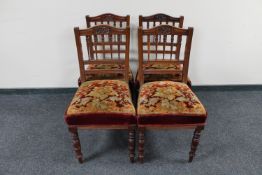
(167, 102)
(106, 76)
(160, 77)
(159, 66)
(101, 102)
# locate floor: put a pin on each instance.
(34, 139)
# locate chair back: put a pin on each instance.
(159, 45)
(105, 45)
(151, 21)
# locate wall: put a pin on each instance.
(37, 47)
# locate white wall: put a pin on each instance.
(37, 47)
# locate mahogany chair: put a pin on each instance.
(102, 104)
(147, 22)
(167, 104)
(115, 21)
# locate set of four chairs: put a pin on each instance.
(160, 95)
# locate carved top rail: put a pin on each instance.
(159, 19)
(108, 18)
(166, 30)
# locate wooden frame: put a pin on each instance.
(151, 21)
(165, 30)
(92, 34)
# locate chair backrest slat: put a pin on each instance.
(95, 41)
(171, 47)
(156, 45)
(118, 45)
(108, 18)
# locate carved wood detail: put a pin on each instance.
(165, 30)
(161, 17)
(102, 30)
(109, 18)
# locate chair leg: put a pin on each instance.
(79, 82)
(131, 143)
(189, 83)
(195, 142)
(76, 143)
(141, 141)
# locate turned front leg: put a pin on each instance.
(131, 143)
(195, 142)
(141, 141)
(76, 144)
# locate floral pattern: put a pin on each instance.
(168, 66)
(158, 77)
(167, 97)
(105, 66)
(107, 76)
(102, 96)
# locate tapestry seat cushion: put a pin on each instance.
(107, 76)
(168, 102)
(101, 102)
(166, 66)
(162, 77)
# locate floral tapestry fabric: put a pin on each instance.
(106, 76)
(168, 66)
(159, 66)
(102, 96)
(168, 98)
(105, 66)
(160, 77)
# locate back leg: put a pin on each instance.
(76, 143)
(141, 141)
(131, 143)
(195, 142)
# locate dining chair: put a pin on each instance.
(115, 21)
(167, 104)
(102, 104)
(151, 21)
